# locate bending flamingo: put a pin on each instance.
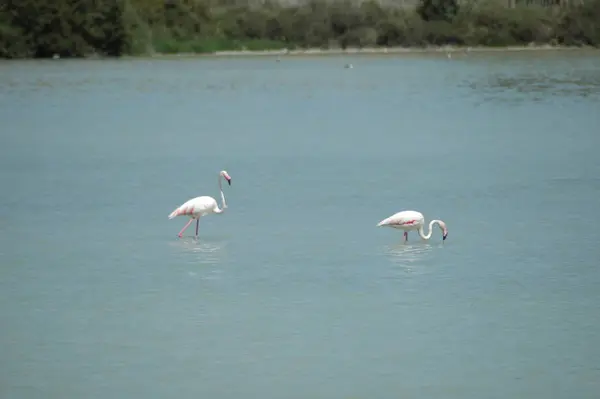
(410, 221)
(197, 207)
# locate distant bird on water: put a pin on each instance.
(410, 221)
(197, 207)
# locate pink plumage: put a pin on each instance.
(410, 221)
(197, 207)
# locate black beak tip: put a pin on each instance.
(229, 182)
(444, 238)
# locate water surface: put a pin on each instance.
(293, 292)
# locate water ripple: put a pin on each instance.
(411, 258)
(516, 88)
(202, 251)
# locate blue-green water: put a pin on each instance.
(293, 292)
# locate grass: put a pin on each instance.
(169, 45)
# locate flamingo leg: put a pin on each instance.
(197, 223)
(185, 227)
(405, 236)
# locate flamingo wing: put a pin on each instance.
(195, 207)
(402, 219)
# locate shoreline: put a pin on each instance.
(310, 52)
(373, 51)
(393, 50)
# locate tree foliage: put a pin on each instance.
(437, 10)
(42, 28)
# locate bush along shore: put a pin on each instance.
(78, 28)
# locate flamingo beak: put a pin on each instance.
(229, 181)
(444, 236)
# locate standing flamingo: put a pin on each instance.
(413, 220)
(197, 207)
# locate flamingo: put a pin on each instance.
(413, 220)
(197, 207)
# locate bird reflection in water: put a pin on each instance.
(205, 251)
(411, 257)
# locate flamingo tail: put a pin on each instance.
(385, 222)
(174, 214)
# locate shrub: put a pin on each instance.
(41, 28)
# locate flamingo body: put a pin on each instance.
(405, 220)
(196, 207)
(411, 221)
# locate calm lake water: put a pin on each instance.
(293, 292)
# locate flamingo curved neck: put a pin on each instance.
(224, 204)
(428, 235)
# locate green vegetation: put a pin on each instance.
(42, 28)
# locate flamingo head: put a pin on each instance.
(226, 176)
(444, 230)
